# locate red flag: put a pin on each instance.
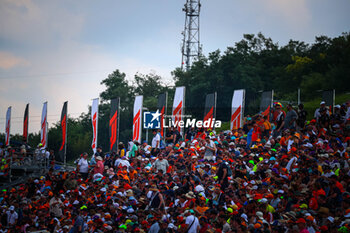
(25, 124)
(178, 106)
(266, 113)
(210, 108)
(8, 127)
(114, 124)
(62, 151)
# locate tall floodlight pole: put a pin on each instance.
(191, 48)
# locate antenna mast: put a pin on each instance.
(191, 48)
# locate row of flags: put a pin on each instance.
(43, 128)
(178, 112)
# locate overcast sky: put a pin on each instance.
(60, 50)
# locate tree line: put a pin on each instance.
(256, 63)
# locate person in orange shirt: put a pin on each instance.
(266, 127)
(285, 138)
(132, 173)
(201, 207)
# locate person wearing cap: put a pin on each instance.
(279, 122)
(266, 127)
(156, 198)
(302, 225)
(248, 120)
(134, 149)
(99, 167)
(199, 189)
(210, 149)
(222, 173)
(12, 217)
(161, 164)
(192, 222)
(336, 116)
(121, 150)
(324, 119)
(291, 117)
(317, 113)
(83, 166)
(56, 205)
(70, 182)
(108, 162)
(169, 137)
(190, 134)
(302, 114)
(99, 152)
(177, 136)
(155, 143)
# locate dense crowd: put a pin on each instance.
(278, 173)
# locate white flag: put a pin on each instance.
(237, 109)
(43, 130)
(136, 123)
(94, 119)
(8, 126)
(178, 107)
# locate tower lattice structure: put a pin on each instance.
(191, 47)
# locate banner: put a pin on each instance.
(8, 127)
(210, 108)
(25, 124)
(114, 125)
(266, 100)
(43, 131)
(237, 109)
(136, 123)
(329, 98)
(178, 107)
(94, 120)
(266, 103)
(162, 105)
(63, 148)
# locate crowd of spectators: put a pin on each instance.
(278, 173)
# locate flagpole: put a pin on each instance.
(165, 112)
(183, 111)
(65, 145)
(214, 113)
(243, 107)
(118, 119)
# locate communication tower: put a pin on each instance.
(191, 48)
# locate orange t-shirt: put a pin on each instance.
(202, 209)
(132, 174)
(284, 140)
